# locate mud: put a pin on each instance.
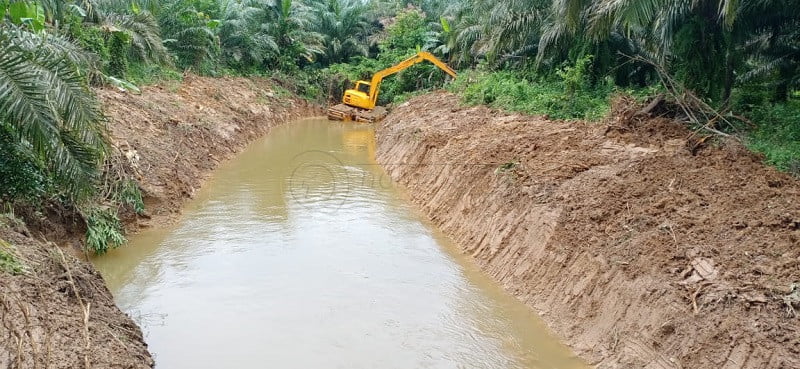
(58, 312)
(641, 246)
(42, 313)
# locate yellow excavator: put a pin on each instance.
(358, 103)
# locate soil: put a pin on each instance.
(57, 312)
(641, 244)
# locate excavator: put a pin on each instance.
(358, 103)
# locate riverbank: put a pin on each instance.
(55, 309)
(638, 247)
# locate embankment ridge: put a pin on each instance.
(637, 248)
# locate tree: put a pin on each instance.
(46, 106)
(243, 39)
(344, 29)
(290, 26)
(189, 29)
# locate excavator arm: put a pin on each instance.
(375, 83)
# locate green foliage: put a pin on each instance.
(308, 83)
(23, 178)
(778, 134)
(141, 73)
(190, 30)
(118, 44)
(510, 91)
(244, 44)
(408, 32)
(103, 230)
(8, 262)
(576, 77)
(47, 106)
(90, 38)
(343, 27)
(128, 193)
(142, 27)
(25, 13)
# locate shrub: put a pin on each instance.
(103, 230)
(777, 135)
(23, 178)
(118, 46)
(90, 38)
(142, 73)
(547, 96)
(8, 262)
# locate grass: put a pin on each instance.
(8, 262)
(555, 98)
(777, 135)
(150, 73)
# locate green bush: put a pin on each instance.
(103, 230)
(409, 31)
(128, 193)
(23, 178)
(141, 73)
(8, 262)
(569, 98)
(777, 135)
(118, 48)
(90, 38)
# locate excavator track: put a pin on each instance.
(349, 113)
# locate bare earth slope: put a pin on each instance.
(174, 139)
(58, 313)
(637, 252)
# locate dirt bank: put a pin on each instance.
(639, 253)
(42, 311)
(55, 310)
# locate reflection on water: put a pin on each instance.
(300, 253)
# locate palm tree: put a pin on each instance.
(190, 32)
(771, 44)
(144, 31)
(290, 27)
(498, 30)
(271, 33)
(728, 32)
(344, 29)
(46, 106)
(243, 42)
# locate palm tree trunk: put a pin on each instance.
(730, 54)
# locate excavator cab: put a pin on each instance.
(359, 103)
(358, 96)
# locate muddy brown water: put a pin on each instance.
(301, 253)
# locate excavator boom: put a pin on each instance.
(359, 105)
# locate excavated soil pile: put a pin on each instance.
(55, 310)
(639, 249)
